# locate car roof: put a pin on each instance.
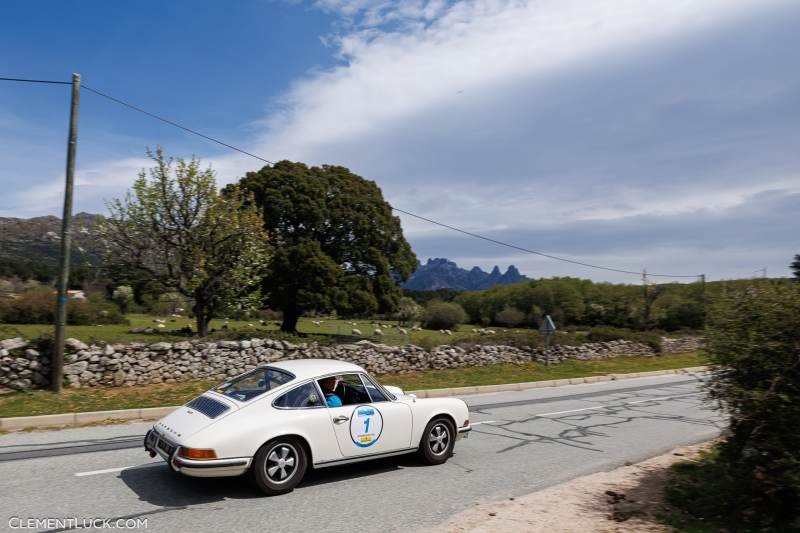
(311, 368)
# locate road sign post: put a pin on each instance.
(547, 329)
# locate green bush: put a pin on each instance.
(510, 317)
(38, 307)
(443, 315)
(608, 333)
(753, 338)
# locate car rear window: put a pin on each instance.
(254, 383)
(301, 397)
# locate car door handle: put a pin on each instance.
(340, 419)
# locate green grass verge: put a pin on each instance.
(102, 399)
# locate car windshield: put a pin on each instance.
(253, 383)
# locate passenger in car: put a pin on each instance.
(328, 386)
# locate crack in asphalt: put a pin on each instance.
(578, 435)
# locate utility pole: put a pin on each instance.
(57, 375)
(703, 297)
(646, 310)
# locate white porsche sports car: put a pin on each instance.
(276, 421)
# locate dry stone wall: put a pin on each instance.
(23, 367)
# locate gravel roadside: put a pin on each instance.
(620, 500)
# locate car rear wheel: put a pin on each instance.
(437, 442)
(279, 466)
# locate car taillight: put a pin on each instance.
(466, 423)
(197, 453)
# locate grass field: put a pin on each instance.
(80, 400)
(329, 329)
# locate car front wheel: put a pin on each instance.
(437, 441)
(279, 466)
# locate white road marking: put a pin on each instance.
(484, 422)
(120, 469)
(619, 405)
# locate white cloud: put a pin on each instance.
(523, 119)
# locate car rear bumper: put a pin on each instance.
(463, 432)
(157, 444)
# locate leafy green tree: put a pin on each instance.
(175, 230)
(795, 266)
(673, 310)
(752, 338)
(337, 244)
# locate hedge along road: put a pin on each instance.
(521, 442)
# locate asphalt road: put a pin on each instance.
(521, 442)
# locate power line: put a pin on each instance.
(173, 123)
(25, 80)
(549, 256)
(420, 217)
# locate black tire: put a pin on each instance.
(279, 466)
(438, 441)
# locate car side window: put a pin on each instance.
(374, 392)
(304, 396)
(349, 389)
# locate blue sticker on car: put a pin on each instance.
(366, 426)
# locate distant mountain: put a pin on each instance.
(30, 246)
(445, 274)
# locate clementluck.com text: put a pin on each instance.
(74, 522)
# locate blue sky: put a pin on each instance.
(631, 133)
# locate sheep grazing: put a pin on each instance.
(316, 322)
(378, 332)
(404, 331)
(491, 332)
(262, 322)
(448, 332)
(355, 331)
(161, 326)
(250, 325)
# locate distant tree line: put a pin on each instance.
(580, 302)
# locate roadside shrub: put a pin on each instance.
(443, 315)
(608, 333)
(753, 339)
(39, 306)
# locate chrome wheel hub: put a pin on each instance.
(439, 439)
(281, 463)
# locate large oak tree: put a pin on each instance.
(336, 244)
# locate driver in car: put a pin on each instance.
(328, 386)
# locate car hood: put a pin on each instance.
(185, 421)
